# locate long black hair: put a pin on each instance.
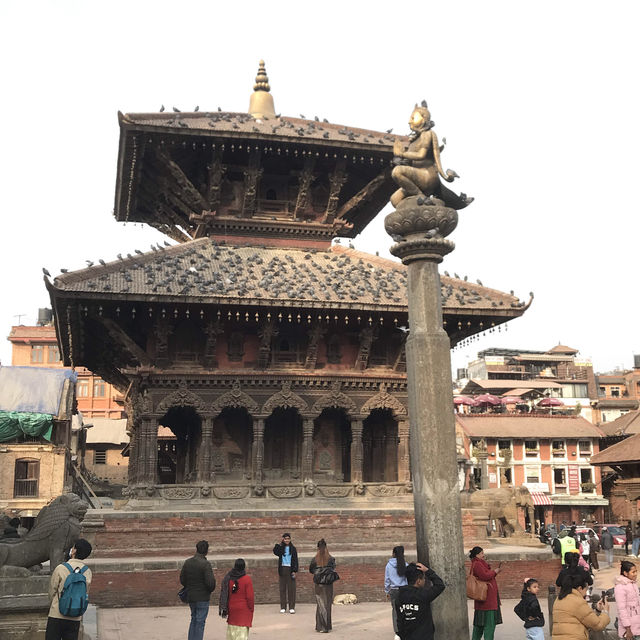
(573, 580)
(401, 564)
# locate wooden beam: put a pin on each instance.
(118, 334)
(185, 185)
(363, 195)
(304, 182)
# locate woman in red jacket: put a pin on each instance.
(487, 612)
(237, 601)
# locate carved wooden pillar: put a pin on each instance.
(204, 473)
(356, 450)
(134, 450)
(149, 471)
(258, 451)
(404, 474)
(307, 449)
(212, 331)
(161, 332)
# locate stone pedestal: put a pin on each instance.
(24, 604)
(418, 228)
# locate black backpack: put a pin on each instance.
(556, 546)
(521, 610)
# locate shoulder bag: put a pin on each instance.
(476, 589)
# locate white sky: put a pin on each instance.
(538, 102)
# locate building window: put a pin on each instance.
(100, 456)
(235, 347)
(560, 480)
(99, 388)
(531, 449)
(558, 449)
(53, 354)
(378, 356)
(615, 392)
(584, 447)
(37, 353)
(26, 476)
(586, 481)
(532, 474)
(82, 389)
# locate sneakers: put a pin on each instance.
(396, 637)
(283, 611)
(292, 610)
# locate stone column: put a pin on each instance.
(148, 455)
(307, 449)
(404, 474)
(258, 451)
(205, 454)
(356, 451)
(418, 227)
(482, 455)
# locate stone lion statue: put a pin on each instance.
(55, 531)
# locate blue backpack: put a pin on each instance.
(74, 599)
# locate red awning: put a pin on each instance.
(540, 498)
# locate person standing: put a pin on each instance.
(237, 601)
(594, 547)
(487, 613)
(324, 592)
(528, 609)
(394, 578)
(60, 626)
(628, 601)
(628, 537)
(585, 549)
(198, 579)
(567, 543)
(635, 546)
(606, 543)
(413, 604)
(287, 570)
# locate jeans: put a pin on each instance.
(635, 546)
(608, 556)
(199, 612)
(535, 633)
(60, 629)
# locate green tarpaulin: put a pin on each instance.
(16, 423)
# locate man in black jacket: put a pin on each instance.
(287, 569)
(413, 606)
(197, 577)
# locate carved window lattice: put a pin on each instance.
(334, 349)
(379, 354)
(235, 347)
(287, 350)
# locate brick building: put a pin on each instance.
(618, 393)
(549, 454)
(37, 346)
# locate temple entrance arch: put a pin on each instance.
(231, 444)
(178, 456)
(332, 446)
(282, 444)
(380, 447)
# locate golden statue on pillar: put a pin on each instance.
(418, 168)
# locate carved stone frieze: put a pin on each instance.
(285, 492)
(335, 492)
(384, 490)
(383, 400)
(182, 397)
(230, 493)
(334, 399)
(235, 398)
(285, 399)
(178, 493)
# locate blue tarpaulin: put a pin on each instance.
(33, 389)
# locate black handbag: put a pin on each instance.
(325, 575)
(182, 594)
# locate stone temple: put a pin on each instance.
(263, 366)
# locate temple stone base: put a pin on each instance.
(24, 604)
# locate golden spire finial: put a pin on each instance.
(262, 80)
(261, 102)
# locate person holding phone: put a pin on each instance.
(486, 612)
(287, 570)
(628, 601)
(572, 615)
